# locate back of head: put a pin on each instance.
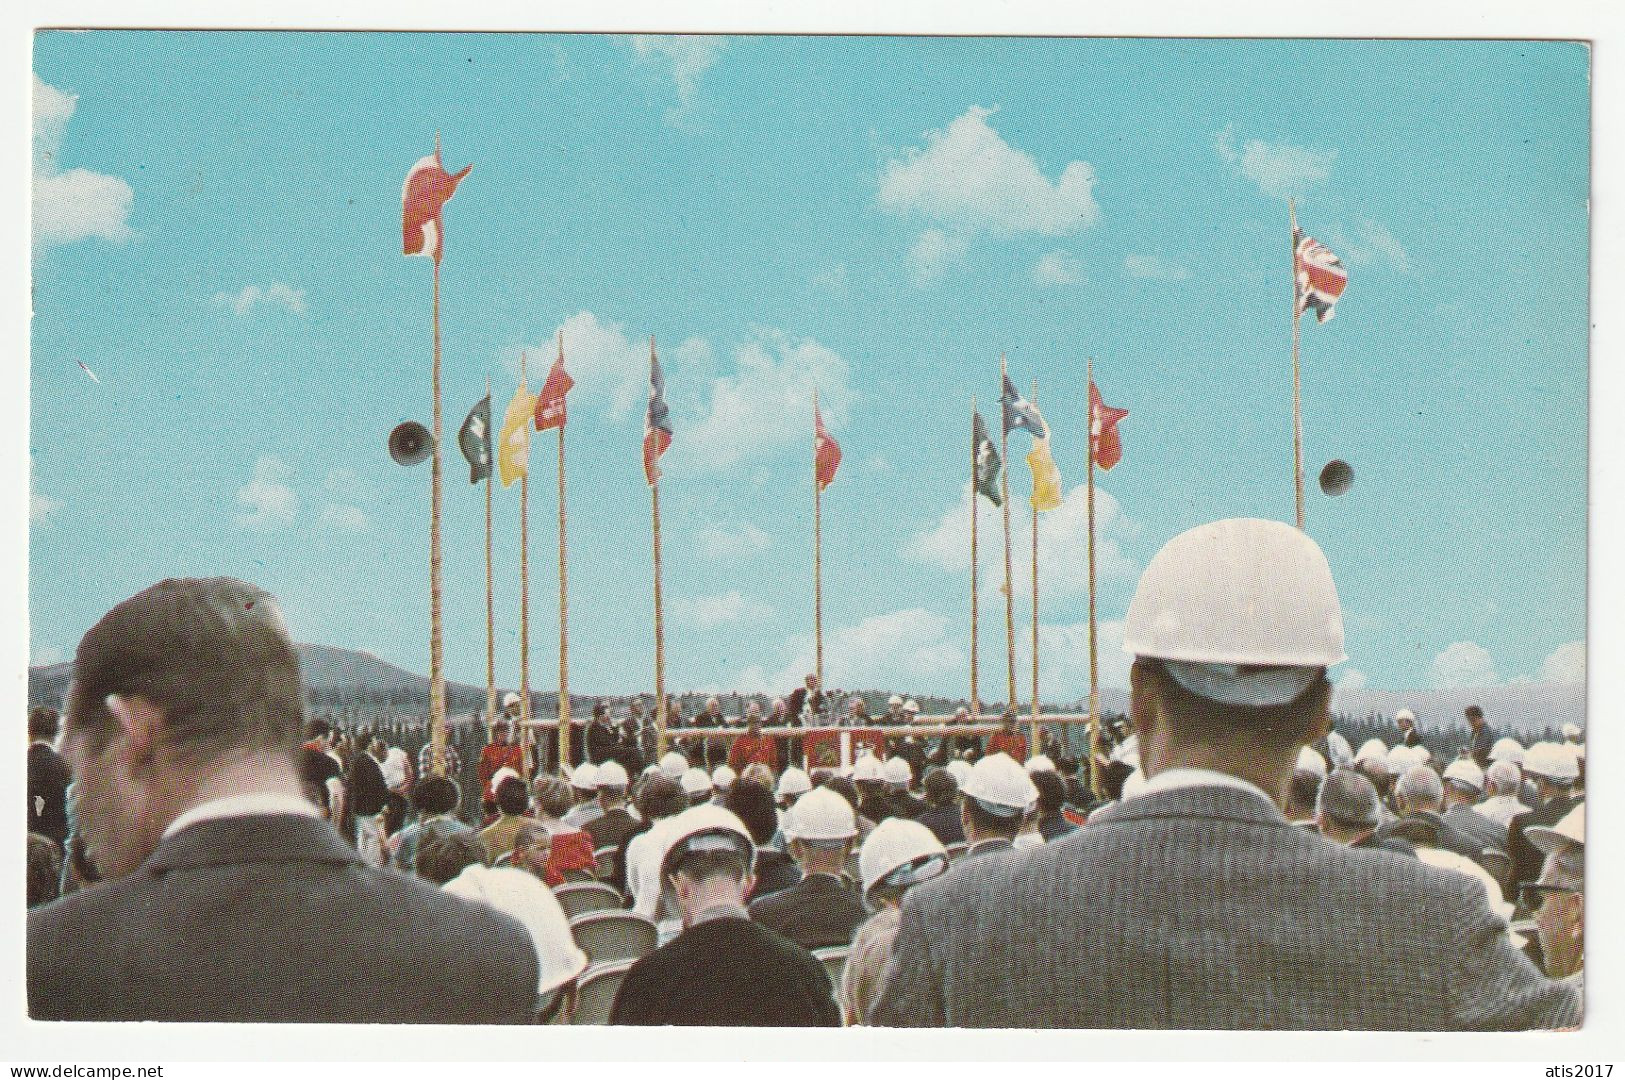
(659, 797)
(940, 787)
(1051, 792)
(442, 856)
(44, 869)
(1349, 800)
(753, 804)
(513, 797)
(434, 795)
(1502, 778)
(1419, 788)
(213, 654)
(43, 723)
(845, 788)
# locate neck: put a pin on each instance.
(1267, 768)
(265, 774)
(718, 892)
(823, 862)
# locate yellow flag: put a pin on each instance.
(513, 449)
(1046, 477)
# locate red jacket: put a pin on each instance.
(753, 748)
(494, 757)
(570, 851)
(1013, 744)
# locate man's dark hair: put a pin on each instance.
(1113, 777)
(317, 729)
(1051, 792)
(992, 824)
(435, 795)
(442, 857)
(513, 797)
(43, 722)
(212, 653)
(753, 804)
(1304, 788)
(940, 786)
(1475, 713)
(845, 788)
(705, 865)
(44, 870)
(1298, 721)
(659, 797)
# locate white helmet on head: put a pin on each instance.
(706, 827)
(1571, 730)
(900, 853)
(896, 699)
(911, 706)
(523, 896)
(1552, 838)
(1465, 772)
(723, 777)
(1372, 752)
(1241, 612)
(1309, 760)
(673, 765)
(898, 772)
(510, 698)
(696, 783)
(585, 777)
(1040, 763)
(612, 774)
(1341, 752)
(1507, 748)
(793, 781)
(821, 815)
(1000, 786)
(1551, 761)
(1404, 714)
(867, 768)
(959, 769)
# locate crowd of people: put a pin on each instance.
(1212, 869)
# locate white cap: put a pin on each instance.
(707, 818)
(1371, 752)
(896, 844)
(793, 781)
(673, 765)
(911, 705)
(1507, 748)
(612, 774)
(820, 814)
(1341, 752)
(959, 769)
(1571, 731)
(723, 777)
(1549, 838)
(522, 895)
(1040, 763)
(1465, 771)
(1000, 786)
(868, 768)
(1309, 760)
(896, 699)
(1404, 714)
(510, 698)
(585, 777)
(898, 771)
(1135, 783)
(504, 773)
(1552, 762)
(695, 782)
(1401, 758)
(1223, 598)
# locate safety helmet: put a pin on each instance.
(1571, 730)
(867, 768)
(723, 777)
(911, 706)
(1465, 771)
(959, 769)
(505, 773)
(896, 699)
(585, 777)
(900, 853)
(1400, 758)
(673, 765)
(793, 781)
(821, 815)
(522, 895)
(1222, 600)
(510, 698)
(1548, 838)
(1404, 714)
(1341, 752)
(695, 782)
(1507, 748)
(1000, 786)
(1372, 752)
(612, 774)
(1551, 761)
(898, 772)
(1040, 763)
(706, 827)
(1310, 760)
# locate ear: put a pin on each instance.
(142, 723)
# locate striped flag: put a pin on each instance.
(1104, 442)
(826, 453)
(426, 190)
(657, 423)
(1321, 278)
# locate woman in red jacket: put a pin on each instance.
(572, 847)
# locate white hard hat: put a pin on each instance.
(1400, 758)
(522, 895)
(793, 781)
(1550, 838)
(867, 768)
(896, 699)
(585, 776)
(612, 774)
(1465, 771)
(696, 782)
(1040, 763)
(898, 771)
(900, 853)
(505, 773)
(1372, 751)
(510, 698)
(1000, 786)
(1571, 731)
(723, 777)
(1507, 748)
(959, 769)
(1135, 783)
(1224, 598)
(1341, 752)
(706, 827)
(820, 814)
(1552, 762)
(911, 705)
(1309, 760)
(1404, 714)
(673, 765)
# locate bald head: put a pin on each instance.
(1502, 778)
(1419, 788)
(1347, 807)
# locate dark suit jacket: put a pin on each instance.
(275, 918)
(1431, 830)
(48, 780)
(1204, 908)
(775, 872)
(945, 822)
(1527, 859)
(819, 912)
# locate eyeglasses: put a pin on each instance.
(1532, 894)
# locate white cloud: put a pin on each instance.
(1369, 242)
(44, 655)
(1566, 666)
(914, 649)
(1062, 543)
(933, 252)
(1063, 661)
(1351, 679)
(1464, 664)
(1278, 169)
(275, 294)
(765, 405)
(683, 57)
(271, 504)
(731, 542)
(75, 204)
(732, 607)
(606, 364)
(40, 507)
(1153, 268)
(1057, 268)
(342, 518)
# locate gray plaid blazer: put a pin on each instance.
(1203, 907)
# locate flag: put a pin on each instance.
(657, 423)
(1321, 278)
(1046, 477)
(1104, 442)
(1018, 413)
(826, 453)
(986, 471)
(513, 451)
(426, 190)
(550, 402)
(475, 440)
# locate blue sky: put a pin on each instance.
(217, 239)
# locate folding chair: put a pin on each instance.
(583, 875)
(608, 936)
(834, 960)
(578, 898)
(595, 993)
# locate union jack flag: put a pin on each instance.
(1320, 276)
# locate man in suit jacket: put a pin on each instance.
(823, 909)
(48, 778)
(1554, 772)
(1196, 904)
(227, 897)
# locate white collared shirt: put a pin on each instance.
(1174, 779)
(232, 806)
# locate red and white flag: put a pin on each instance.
(826, 453)
(1104, 442)
(1321, 278)
(426, 190)
(550, 411)
(656, 422)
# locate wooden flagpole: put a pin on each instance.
(524, 576)
(490, 594)
(975, 698)
(818, 556)
(1297, 409)
(437, 675)
(564, 607)
(660, 637)
(1004, 497)
(1033, 743)
(1096, 780)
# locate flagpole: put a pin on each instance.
(564, 606)
(1297, 409)
(437, 675)
(1004, 497)
(660, 638)
(975, 699)
(524, 579)
(1033, 741)
(818, 556)
(490, 593)
(1096, 781)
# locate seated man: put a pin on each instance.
(226, 896)
(823, 908)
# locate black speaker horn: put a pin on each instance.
(1336, 478)
(410, 443)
